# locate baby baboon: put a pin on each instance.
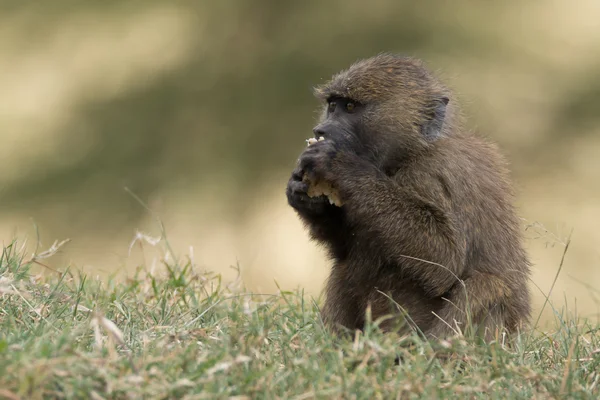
(426, 216)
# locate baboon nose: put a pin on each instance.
(318, 131)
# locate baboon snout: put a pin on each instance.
(321, 130)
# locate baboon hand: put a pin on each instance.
(317, 161)
(298, 198)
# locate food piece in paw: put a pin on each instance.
(313, 140)
(322, 188)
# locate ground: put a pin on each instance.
(173, 332)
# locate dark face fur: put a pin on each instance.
(343, 122)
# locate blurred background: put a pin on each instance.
(201, 109)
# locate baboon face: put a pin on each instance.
(342, 121)
(384, 109)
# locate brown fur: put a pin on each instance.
(426, 218)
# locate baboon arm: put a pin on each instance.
(404, 229)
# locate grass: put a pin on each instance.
(178, 333)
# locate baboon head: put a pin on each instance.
(385, 107)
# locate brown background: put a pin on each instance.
(201, 108)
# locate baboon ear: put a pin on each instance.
(434, 118)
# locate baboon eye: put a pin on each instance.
(350, 106)
(331, 106)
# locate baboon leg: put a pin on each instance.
(477, 307)
(341, 308)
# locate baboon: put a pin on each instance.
(426, 218)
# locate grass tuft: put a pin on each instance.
(178, 333)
